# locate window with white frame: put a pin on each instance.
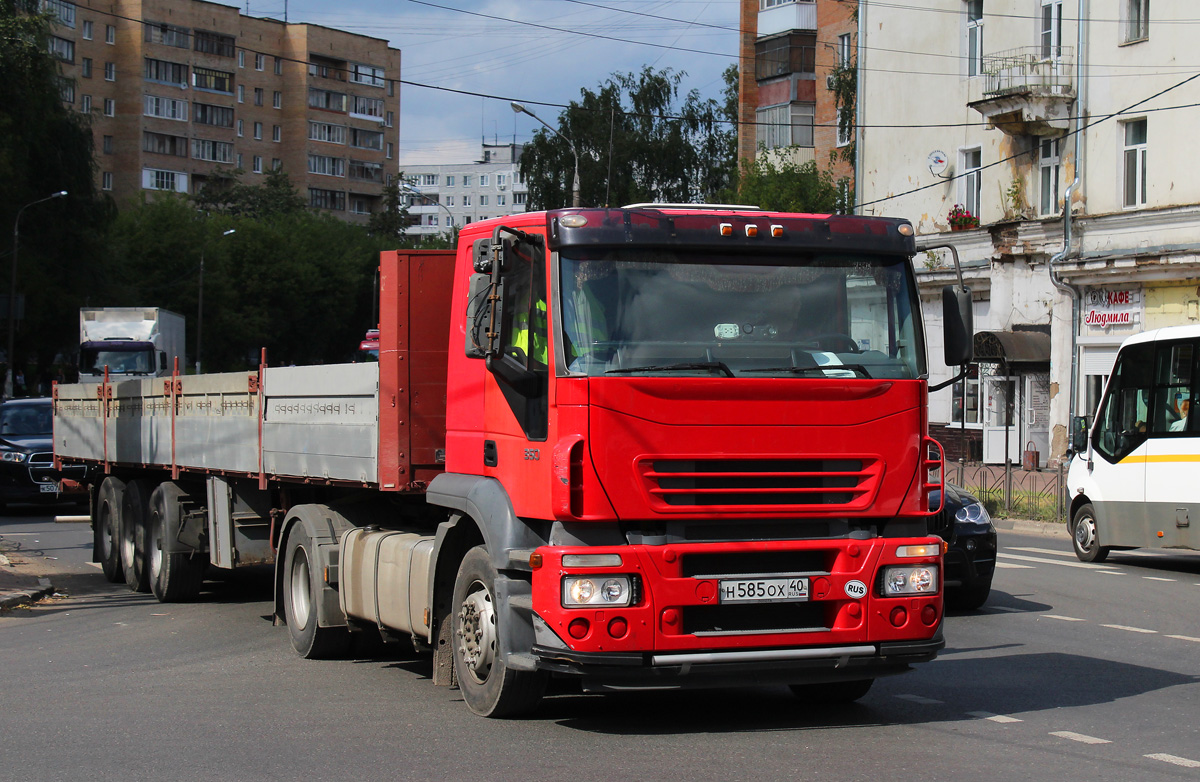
(1050, 171)
(327, 131)
(106, 144)
(1134, 163)
(258, 169)
(240, 127)
(483, 180)
(164, 144)
(165, 72)
(449, 180)
(106, 181)
(241, 58)
(159, 179)
(277, 100)
(208, 114)
(429, 180)
(371, 108)
(110, 71)
(258, 96)
(241, 93)
(483, 200)
(214, 151)
(276, 133)
(501, 180)
(326, 165)
(167, 108)
(167, 35)
(391, 150)
(85, 104)
(110, 34)
(974, 37)
(212, 80)
(784, 126)
(110, 107)
(366, 74)
(278, 66)
(971, 165)
(276, 164)
(258, 131)
(449, 200)
(466, 200)
(500, 200)
(519, 199)
(366, 139)
(1136, 20)
(260, 62)
(66, 90)
(85, 67)
(1051, 29)
(62, 49)
(87, 30)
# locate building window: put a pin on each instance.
(278, 67)
(971, 166)
(366, 139)
(110, 107)
(366, 74)
(360, 205)
(258, 96)
(974, 37)
(390, 150)
(449, 200)
(260, 62)
(466, 200)
(519, 199)
(167, 108)
(239, 158)
(85, 104)
(390, 121)
(449, 180)
(214, 151)
(240, 127)
(326, 199)
(62, 49)
(483, 200)
(167, 35)
(429, 180)
(276, 133)
(483, 180)
(1136, 25)
(106, 180)
(327, 100)
(967, 398)
(366, 172)
(326, 165)
(214, 43)
(157, 179)
(110, 34)
(371, 108)
(1051, 33)
(106, 144)
(791, 53)
(501, 180)
(63, 11)
(500, 200)
(66, 90)
(85, 67)
(1050, 170)
(212, 81)
(1134, 168)
(277, 100)
(208, 114)
(784, 126)
(166, 72)
(162, 144)
(241, 93)
(276, 164)
(110, 71)
(241, 58)
(258, 131)
(258, 164)
(325, 131)
(87, 30)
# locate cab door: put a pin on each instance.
(1172, 491)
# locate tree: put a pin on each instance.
(776, 182)
(634, 145)
(392, 216)
(224, 194)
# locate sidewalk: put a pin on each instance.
(17, 588)
(1047, 529)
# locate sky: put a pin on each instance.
(548, 52)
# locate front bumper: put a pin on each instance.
(969, 565)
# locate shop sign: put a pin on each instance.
(1104, 308)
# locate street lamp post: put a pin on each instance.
(406, 187)
(12, 293)
(200, 302)
(520, 109)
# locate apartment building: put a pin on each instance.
(1003, 108)
(181, 89)
(441, 196)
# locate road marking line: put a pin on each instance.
(1032, 550)
(1085, 565)
(1064, 618)
(1159, 578)
(919, 699)
(1178, 761)
(1130, 629)
(1012, 566)
(1005, 609)
(1185, 638)
(1066, 734)
(1110, 572)
(987, 715)
(96, 565)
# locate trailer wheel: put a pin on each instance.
(173, 577)
(1084, 535)
(825, 693)
(488, 686)
(301, 590)
(107, 527)
(135, 513)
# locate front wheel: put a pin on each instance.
(302, 588)
(1085, 535)
(489, 687)
(826, 693)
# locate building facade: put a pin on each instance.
(443, 196)
(180, 91)
(1003, 108)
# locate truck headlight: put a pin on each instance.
(612, 591)
(910, 580)
(13, 457)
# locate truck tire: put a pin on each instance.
(301, 590)
(826, 693)
(135, 514)
(107, 527)
(1085, 536)
(173, 577)
(488, 686)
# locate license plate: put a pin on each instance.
(788, 589)
(49, 488)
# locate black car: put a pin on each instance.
(27, 471)
(971, 559)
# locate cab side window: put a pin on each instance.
(524, 336)
(1123, 417)
(1174, 382)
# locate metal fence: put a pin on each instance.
(1007, 491)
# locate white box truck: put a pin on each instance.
(129, 341)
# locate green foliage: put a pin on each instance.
(636, 142)
(392, 216)
(777, 183)
(844, 84)
(224, 194)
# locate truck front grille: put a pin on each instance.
(746, 484)
(756, 619)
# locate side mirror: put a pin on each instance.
(959, 325)
(479, 314)
(1079, 434)
(162, 361)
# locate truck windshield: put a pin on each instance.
(637, 312)
(92, 361)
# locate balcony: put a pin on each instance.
(1027, 91)
(776, 17)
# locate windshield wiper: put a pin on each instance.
(718, 365)
(824, 368)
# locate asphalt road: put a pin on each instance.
(1070, 672)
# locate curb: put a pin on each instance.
(14, 599)
(1047, 529)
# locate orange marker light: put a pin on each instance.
(752, 231)
(726, 229)
(535, 560)
(777, 231)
